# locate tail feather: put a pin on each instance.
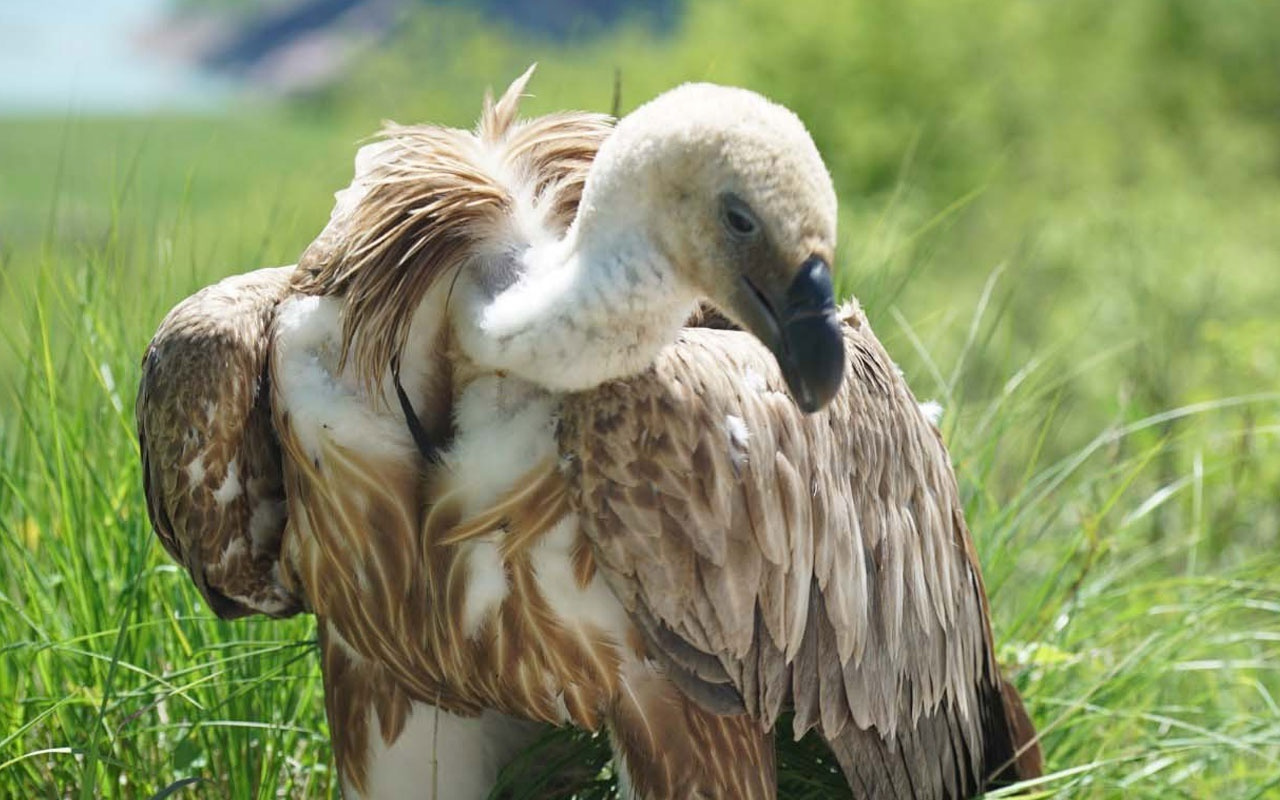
(1026, 760)
(932, 760)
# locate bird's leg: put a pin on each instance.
(388, 745)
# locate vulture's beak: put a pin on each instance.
(798, 324)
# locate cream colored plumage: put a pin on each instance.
(622, 524)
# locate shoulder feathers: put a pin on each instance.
(435, 198)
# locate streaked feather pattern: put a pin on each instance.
(359, 544)
(820, 562)
(210, 462)
(431, 199)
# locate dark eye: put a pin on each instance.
(739, 222)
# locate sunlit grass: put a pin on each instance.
(1149, 666)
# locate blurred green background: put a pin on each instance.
(1062, 217)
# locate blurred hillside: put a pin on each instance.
(292, 46)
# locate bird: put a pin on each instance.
(557, 422)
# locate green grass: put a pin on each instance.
(1064, 220)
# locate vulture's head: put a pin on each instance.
(731, 189)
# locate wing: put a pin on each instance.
(775, 559)
(210, 461)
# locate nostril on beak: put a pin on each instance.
(811, 292)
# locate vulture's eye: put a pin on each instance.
(739, 223)
(738, 219)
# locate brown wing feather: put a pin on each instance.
(353, 545)
(210, 462)
(820, 562)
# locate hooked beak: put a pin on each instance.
(799, 326)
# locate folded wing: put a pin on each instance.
(210, 461)
(816, 562)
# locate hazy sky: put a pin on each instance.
(81, 56)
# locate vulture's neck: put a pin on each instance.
(595, 306)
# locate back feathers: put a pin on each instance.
(434, 197)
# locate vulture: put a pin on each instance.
(557, 422)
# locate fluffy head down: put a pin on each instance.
(707, 193)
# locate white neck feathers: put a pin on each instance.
(584, 312)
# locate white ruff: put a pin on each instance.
(574, 320)
(486, 583)
(594, 609)
(932, 411)
(506, 427)
(230, 488)
(325, 405)
(504, 430)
